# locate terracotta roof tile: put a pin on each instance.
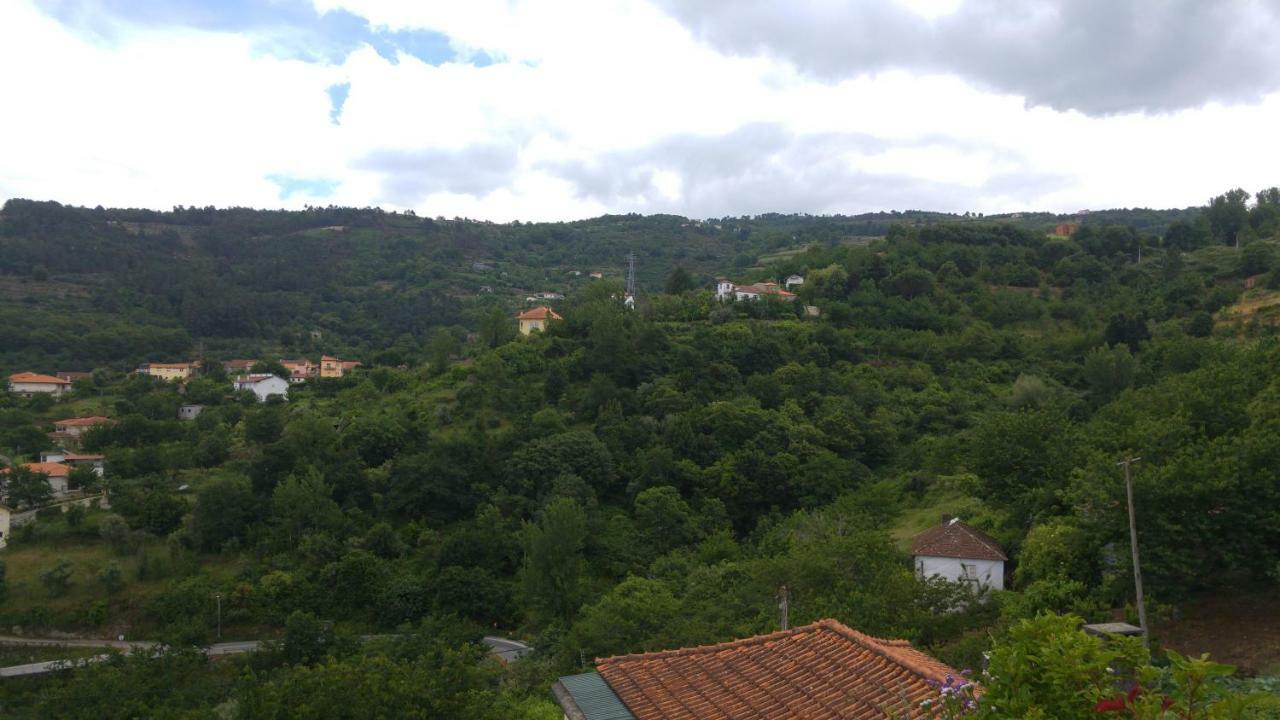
(954, 539)
(30, 377)
(542, 312)
(81, 422)
(823, 671)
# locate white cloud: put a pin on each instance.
(599, 106)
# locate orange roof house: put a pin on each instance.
(823, 671)
(28, 383)
(536, 319)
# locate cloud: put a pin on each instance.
(766, 168)
(409, 176)
(1096, 56)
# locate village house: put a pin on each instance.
(728, 290)
(238, 367)
(29, 383)
(75, 427)
(822, 670)
(960, 553)
(74, 460)
(1066, 229)
(174, 372)
(71, 376)
(793, 281)
(58, 475)
(536, 319)
(263, 386)
(190, 411)
(597, 276)
(300, 370)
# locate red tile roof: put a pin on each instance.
(542, 312)
(954, 539)
(81, 422)
(51, 469)
(30, 377)
(823, 671)
(77, 457)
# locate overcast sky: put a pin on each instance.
(563, 109)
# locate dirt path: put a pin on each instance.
(1241, 629)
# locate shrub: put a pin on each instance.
(57, 579)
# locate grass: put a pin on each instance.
(946, 498)
(86, 605)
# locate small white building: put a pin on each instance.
(29, 383)
(959, 553)
(189, 411)
(5, 514)
(74, 460)
(264, 386)
(794, 281)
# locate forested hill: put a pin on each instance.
(640, 479)
(84, 288)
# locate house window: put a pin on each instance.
(969, 573)
(920, 568)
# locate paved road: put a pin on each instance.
(43, 668)
(506, 649)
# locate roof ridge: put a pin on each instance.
(728, 644)
(980, 536)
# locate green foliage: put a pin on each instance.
(57, 579)
(551, 576)
(1046, 667)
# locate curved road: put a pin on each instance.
(505, 649)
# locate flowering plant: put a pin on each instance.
(955, 698)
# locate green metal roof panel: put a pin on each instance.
(595, 698)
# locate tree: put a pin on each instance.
(1108, 371)
(161, 513)
(83, 477)
(1227, 215)
(679, 282)
(664, 520)
(111, 577)
(440, 348)
(57, 579)
(302, 504)
(553, 561)
(27, 488)
(1256, 258)
(306, 638)
(224, 508)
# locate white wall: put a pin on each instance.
(24, 387)
(990, 572)
(266, 388)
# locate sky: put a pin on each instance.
(565, 109)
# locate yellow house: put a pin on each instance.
(172, 371)
(536, 319)
(330, 367)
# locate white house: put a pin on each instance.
(727, 290)
(5, 513)
(74, 459)
(794, 281)
(29, 383)
(959, 553)
(264, 386)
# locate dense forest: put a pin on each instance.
(639, 479)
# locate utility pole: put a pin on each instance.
(218, 597)
(630, 299)
(784, 606)
(1133, 544)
